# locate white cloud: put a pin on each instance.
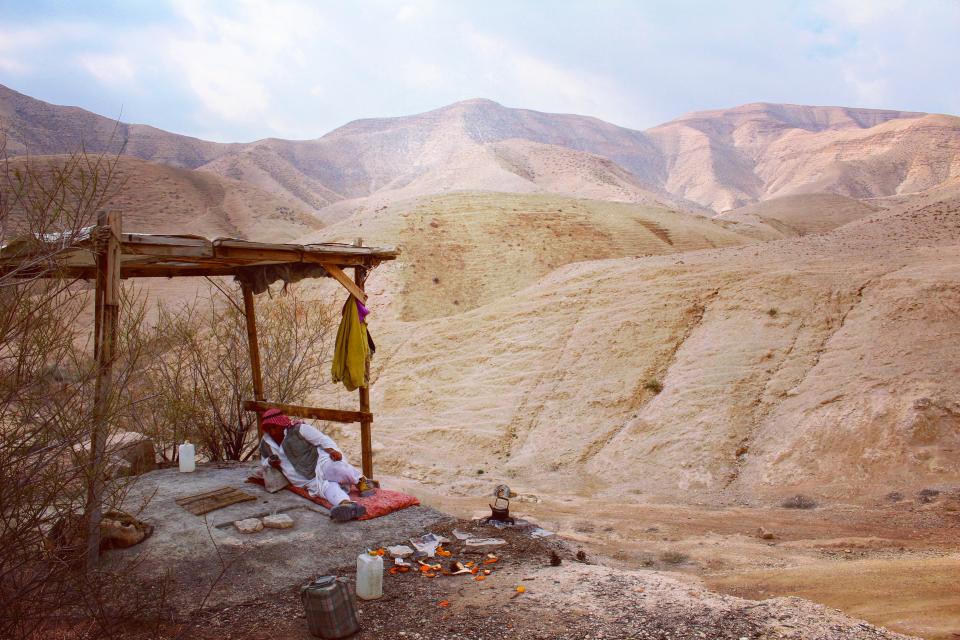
(534, 82)
(232, 62)
(109, 69)
(422, 74)
(244, 69)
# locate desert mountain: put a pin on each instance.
(726, 159)
(714, 160)
(34, 127)
(158, 198)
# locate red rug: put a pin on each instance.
(382, 502)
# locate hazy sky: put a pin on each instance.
(242, 70)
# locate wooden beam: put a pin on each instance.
(316, 413)
(107, 298)
(366, 426)
(251, 317)
(337, 274)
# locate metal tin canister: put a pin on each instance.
(331, 612)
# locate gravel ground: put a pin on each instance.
(576, 599)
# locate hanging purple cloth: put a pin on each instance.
(361, 310)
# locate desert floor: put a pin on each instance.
(894, 564)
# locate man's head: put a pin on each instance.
(275, 423)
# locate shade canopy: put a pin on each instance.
(145, 255)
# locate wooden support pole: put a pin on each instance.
(366, 426)
(251, 317)
(107, 303)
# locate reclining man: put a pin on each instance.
(311, 460)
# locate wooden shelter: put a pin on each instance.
(106, 254)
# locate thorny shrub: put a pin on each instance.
(47, 376)
(195, 386)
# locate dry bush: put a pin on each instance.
(799, 501)
(200, 377)
(673, 557)
(46, 379)
(47, 374)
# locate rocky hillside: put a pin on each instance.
(714, 160)
(157, 198)
(824, 364)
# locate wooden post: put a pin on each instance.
(366, 426)
(107, 311)
(251, 317)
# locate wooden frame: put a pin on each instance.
(106, 254)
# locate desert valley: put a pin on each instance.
(725, 348)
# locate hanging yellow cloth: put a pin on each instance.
(351, 349)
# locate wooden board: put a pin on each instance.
(201, 503)
(332, 415)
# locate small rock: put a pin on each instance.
(250, 525)
(278, 521)
(763, 534)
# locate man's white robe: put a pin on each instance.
(329, 474)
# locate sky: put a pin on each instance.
(241, 70)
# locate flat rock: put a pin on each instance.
(278, 521)
(249, 525)
(483, 545)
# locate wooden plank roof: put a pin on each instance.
(145, 255)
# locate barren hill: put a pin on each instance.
(825, 364)
(726, 159)
(715, 160)
(157, 198)
(799, 215)
(34, 127)
(466, 249)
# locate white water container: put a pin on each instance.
(188, 457)
(369, 576)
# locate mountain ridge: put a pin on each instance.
(703, 161)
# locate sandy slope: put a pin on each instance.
(464, 250)
(799, 215)
(825, 364)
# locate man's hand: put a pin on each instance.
(274, 461)
(335, 455)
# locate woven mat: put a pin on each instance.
(201, 503)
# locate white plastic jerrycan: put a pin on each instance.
(369, 576)
(188, 457)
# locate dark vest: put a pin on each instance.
(302, 455)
